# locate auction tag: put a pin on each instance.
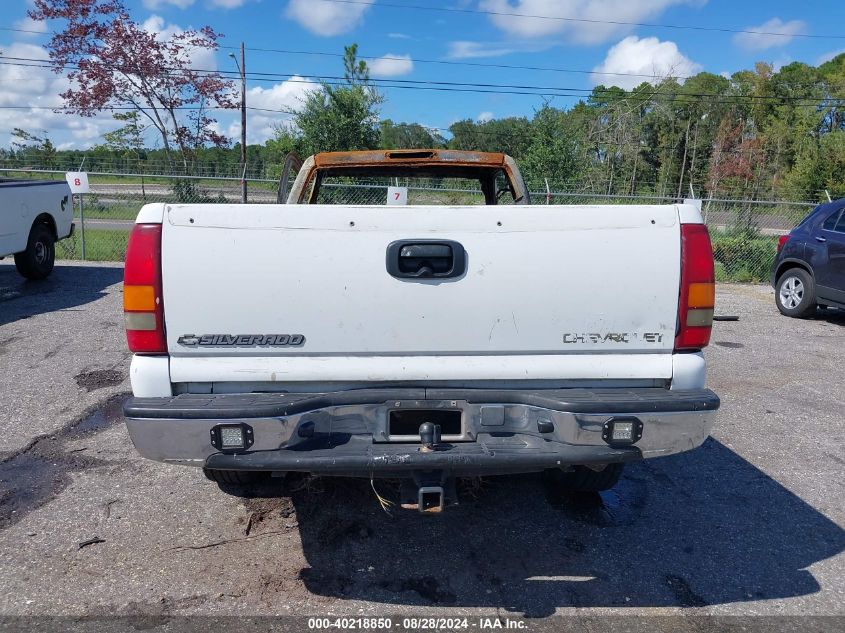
(78, 181)
(397, 195)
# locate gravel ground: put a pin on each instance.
(749, 524)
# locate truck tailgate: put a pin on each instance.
(543, 284)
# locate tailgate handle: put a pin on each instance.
(426, 259)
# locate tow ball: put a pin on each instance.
(429, 436)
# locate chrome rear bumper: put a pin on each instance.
(348, 433)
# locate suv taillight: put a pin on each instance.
(783, 239)
(698, 289)
(143, 304)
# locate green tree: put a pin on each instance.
(128, 141)
(340, 118)
(407, 136)
(27, 145)
(819, 166)
(129, 138)
(551, 152)
(510, 135)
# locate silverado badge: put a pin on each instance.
(241, 340)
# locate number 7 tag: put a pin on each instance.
(397, 196)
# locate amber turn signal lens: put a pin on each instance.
(139, 298)
(701, 295)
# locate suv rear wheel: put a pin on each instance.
(795, 294)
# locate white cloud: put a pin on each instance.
(85, 130)
(759, 41)
(287, 95)
(398, 36)
(327, 18)
(28, 24)
(157, 4)
(828, 56)
(391, 65)
(485, 116)
(201, 58)
(585, 32)
(28, 85)
(462, 49)
(646, 56)
(38, 89)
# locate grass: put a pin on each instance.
(743, 257)
(100, 246)
(98, 211)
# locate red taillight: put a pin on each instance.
(143, 304)
(783, 239)
(698, 289)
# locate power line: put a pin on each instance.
(486, 88)
(577, 71)
(513, 14)
(679, 98)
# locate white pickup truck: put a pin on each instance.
(34, 215)
(420, 342)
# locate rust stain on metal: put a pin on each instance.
(405, 157)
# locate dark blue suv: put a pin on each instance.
(809, 269)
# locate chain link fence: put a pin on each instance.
(744, 232)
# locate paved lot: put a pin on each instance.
(751, 523)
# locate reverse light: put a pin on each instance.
(143, 307)
(698, 289)
(622, 431)
(783, 239)
(231, 438)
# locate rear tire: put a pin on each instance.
(37, 261)
(795, 294)
(583, 479)
(236, 477)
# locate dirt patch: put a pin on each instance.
(271, 586)
(267, 513)
(99, 379)
(38, 473)
(141, 616)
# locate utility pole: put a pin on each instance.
(242, 69)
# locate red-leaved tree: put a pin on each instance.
(112, 62)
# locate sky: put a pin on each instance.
(402, 43)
